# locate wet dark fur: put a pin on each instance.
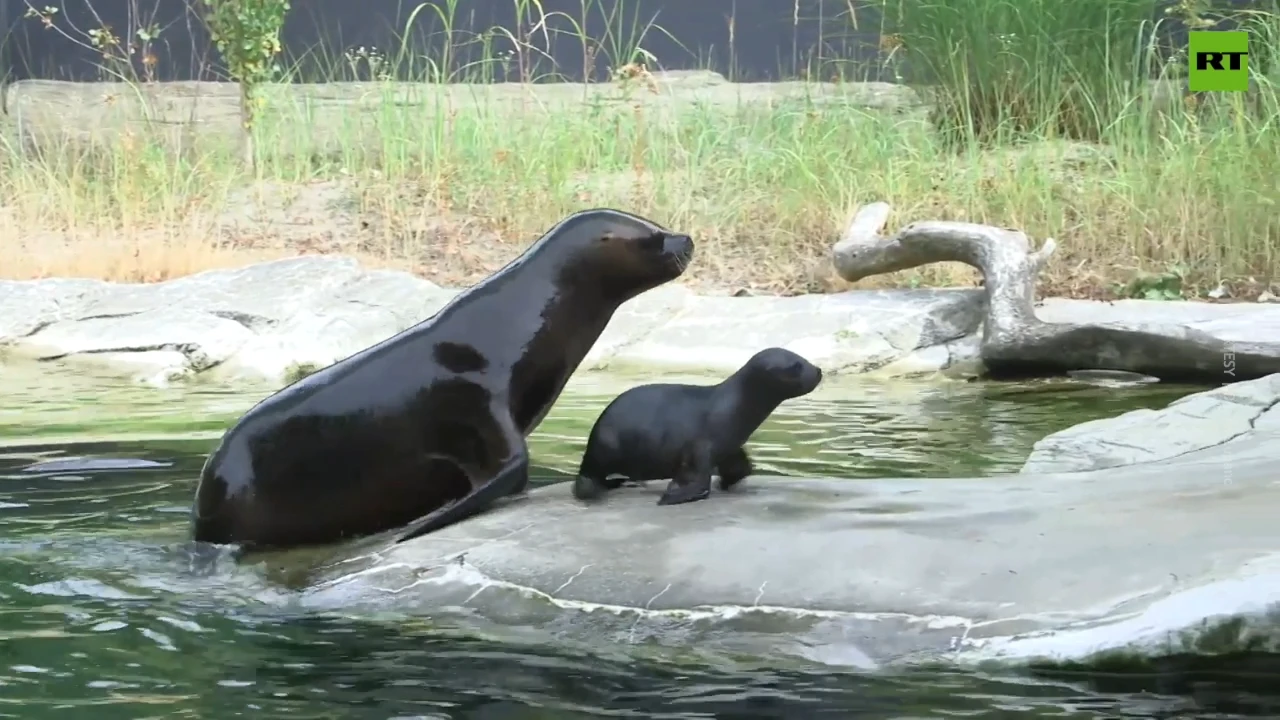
(685, 432)
(428, 427)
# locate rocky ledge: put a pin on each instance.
(1174, 549)
(268, 319)
(271, 319)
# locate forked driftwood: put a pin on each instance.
(1017, 343)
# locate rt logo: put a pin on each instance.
(1219, 61)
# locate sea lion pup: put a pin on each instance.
(684, 432)
(428, 427)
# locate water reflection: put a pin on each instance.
(105, 611)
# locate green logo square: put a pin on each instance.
(1218, 61)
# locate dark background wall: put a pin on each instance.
(747, 40)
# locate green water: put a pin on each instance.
(107, 613)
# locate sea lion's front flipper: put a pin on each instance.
(734, 467)
(693, 480)
(507, 477)
(496, 488)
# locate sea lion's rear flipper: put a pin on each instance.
(590, 483)
(513, 476)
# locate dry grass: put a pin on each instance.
(452, 193)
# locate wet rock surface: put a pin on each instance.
(1147, 551)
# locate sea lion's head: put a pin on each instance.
(621, 254)
(783, 372)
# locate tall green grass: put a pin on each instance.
(1030, 67)
(1006, 72)
(1045, 119)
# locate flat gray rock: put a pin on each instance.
(1066, 310)
(851, 332)
(866, 571)
(259, 320)
(26, 306)
(262, 321)
(1191, 423)
(265, 319)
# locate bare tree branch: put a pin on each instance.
(1017, 343)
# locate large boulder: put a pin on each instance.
(1149, 556)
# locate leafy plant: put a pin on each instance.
(1167, 285)
(247, 35)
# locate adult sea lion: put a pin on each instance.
(430, 424)
(684, 432)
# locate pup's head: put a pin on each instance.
(784, 371)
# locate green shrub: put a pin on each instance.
(247, 35)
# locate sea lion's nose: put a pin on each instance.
(678, 245)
